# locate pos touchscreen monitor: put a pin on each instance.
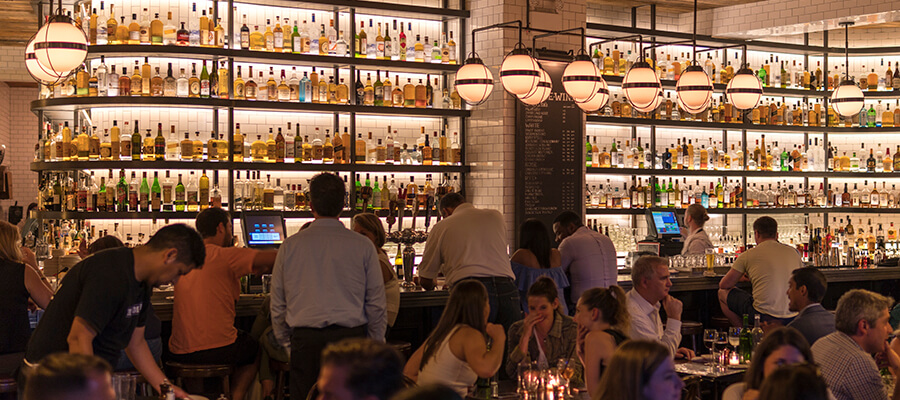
(263, 230)
(664, 223)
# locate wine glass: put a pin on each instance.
(565, 367)
(721, 342)
(734, 337)
(709, 340)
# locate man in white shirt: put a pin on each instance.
(471, 243)
(326, 286)
(588, 257)
(768, 266)
(650, 277)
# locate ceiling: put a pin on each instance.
(18, 22)
(673, 6)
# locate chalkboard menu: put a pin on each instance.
(549, 176)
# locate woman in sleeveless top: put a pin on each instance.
(456, 352)
(369, 225)
(18, 283)
(602, 318)
(535, 258)
(545, 335)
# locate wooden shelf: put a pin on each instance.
(39, 166)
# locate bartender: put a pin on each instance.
(697, 240)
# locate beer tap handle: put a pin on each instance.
(429, 203)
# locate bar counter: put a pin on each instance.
(248, 304)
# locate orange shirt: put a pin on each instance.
(204, 309)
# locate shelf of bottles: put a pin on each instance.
(790, 156)
(242, 114)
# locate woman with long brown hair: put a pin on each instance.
(602, 318)
(456, 353)
(640, 370)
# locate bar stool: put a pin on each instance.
(693, 329)
(8, 387)
(405, 348)
(719, 323)
(281, 370)
(202, 371)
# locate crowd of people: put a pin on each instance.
(334, 296)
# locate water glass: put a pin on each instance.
(124, 385)
(266, 283)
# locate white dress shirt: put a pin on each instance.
(327, 275)
(646, 323)
(470, 243)
(590, 260)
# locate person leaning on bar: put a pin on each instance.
(102, 307)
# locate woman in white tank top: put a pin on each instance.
(456, 353)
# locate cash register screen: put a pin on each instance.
(666, 223)
(263, 230)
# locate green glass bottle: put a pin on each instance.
(379, 89)
(296, 43)
(761, 73)
(144, 194)
(179, 195)
(785, 159)
(204, 82)
(101, 195)
(870, 117)
(588, 159)
(746, 341)
(359, 201)
(122, 192)
(159, 144)
(156, 193)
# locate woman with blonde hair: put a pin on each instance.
(18, 283)
(697, 241)
(602, 318)
(640, 370)
(369, 225)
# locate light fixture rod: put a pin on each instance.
(562, 32)
(694, 37)
(846, 25)
(508, 24)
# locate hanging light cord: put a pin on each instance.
(695, 32)
(847, 50)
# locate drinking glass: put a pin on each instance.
(734, 337)
(523, 370)
(533, 381)
(124, 385)
(266, 283)
(565, 367)
(709, 340)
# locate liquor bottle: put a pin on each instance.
(378, 89)
(278, 37)
(327, 148)
(419, 48)
(203, 191)
(192, 197)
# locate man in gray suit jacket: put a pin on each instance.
(806, 289)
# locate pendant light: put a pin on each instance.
(694, 88)
(474, 81)
(597, 101)
(541, 91)
(38, 71)
(519, 72)
(641, 86)
(744, 90)
(581, 78)
(847, 99)
(60, 45)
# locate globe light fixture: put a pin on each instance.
(38, 71)
(582, 79)
(519, 72)
(597, 101)
(474, 81)
(848, 98)
(694, 89)
(641, 86)
(744, 90)
(541, 91)
(60, 45)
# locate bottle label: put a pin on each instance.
(195, 88)
(204, 88)
(238, 90)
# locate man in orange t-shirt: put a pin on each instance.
(203, 329)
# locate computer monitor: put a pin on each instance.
(263, 230)
(664, 223)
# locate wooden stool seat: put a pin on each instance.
(8, 384)
(692, 329)
(405, 348)
(199, 371)
(720, 323)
